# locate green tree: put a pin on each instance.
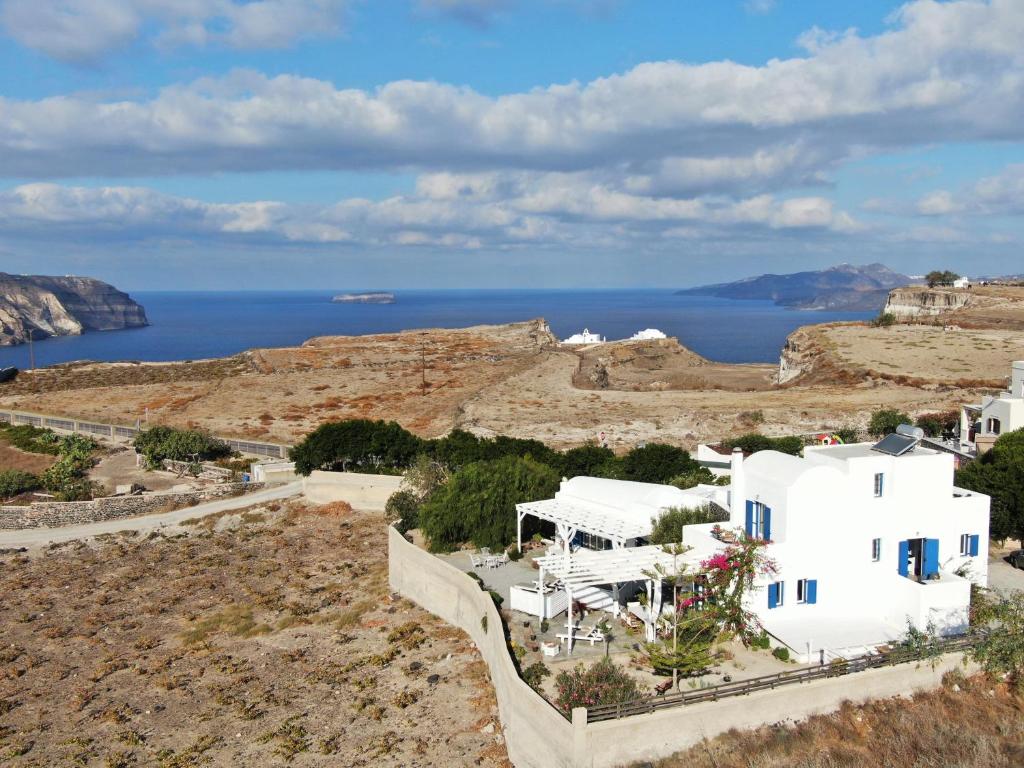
(1001, 650)
(478, 504)
(935, 424)
(356, 445)
(1000, 475)
(602, 683)
(668, 526)
(691, 653)
(587, 460)
(941, 277)
(884, 421)
(14, 482)
(754, 442)
(404, 507)
(159, 443)
(656, 463)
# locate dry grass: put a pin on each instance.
(269, 639)
(12, 458)
(968, 723)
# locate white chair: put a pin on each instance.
(477, 562)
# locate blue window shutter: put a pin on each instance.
(773, 595)
(974, 545)
(749, 524)
(904, 555)
(931, 557)
(812, 591)
(767, 513)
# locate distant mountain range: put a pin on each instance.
(841, 287)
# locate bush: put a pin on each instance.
(460, 448)
(588, 460)
(847, 434)
(404, 507)
(366, 444)
(31, 439)
(754, 442)
(656, 463)
(534, 674)
(935, 424)
(696, 477)
(478, 503)
(14, 482)
(601, 683)
(159, 443)
(782, 654)
(669, 526)
(884, 320)
(1000, 474)
(884, 422)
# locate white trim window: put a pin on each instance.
(879, 484)
(876, 550)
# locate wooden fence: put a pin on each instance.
(837, 668)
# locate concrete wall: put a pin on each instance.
(55, 514)
(659, 734)
(538, 737)
(361, 491)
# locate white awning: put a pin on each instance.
(585, 568)
(587, 518)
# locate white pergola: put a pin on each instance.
(571, 517)
(588, 568)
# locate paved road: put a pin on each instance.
(33, 537)
(1003, 576)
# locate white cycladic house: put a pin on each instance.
(981, 424)
(962, 282)
(648, 334)
(865, 543)
(585, 338)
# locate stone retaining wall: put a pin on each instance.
(55, 514)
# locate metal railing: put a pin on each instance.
(837, 668)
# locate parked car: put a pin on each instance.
(1016, 559)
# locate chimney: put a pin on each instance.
(737, 488)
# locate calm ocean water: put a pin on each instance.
(191, 326)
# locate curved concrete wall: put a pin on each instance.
(361, 491)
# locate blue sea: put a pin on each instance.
(196, 325)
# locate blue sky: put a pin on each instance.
(536, 143)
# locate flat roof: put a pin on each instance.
(862, 451)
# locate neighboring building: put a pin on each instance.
(981, 425)
(714, 458)
(648, 334)
(962, 282)
(585, 338)
(865, 542)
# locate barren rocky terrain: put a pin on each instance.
(515, 380)
(266, 637)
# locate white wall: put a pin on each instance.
(361, 491)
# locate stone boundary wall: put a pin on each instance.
(537, 736)
(56, 514)
(206, 470)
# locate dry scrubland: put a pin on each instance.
(498, 379)
(968, 723)
(258, 638)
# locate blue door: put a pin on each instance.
(931, 558)
(904, 558)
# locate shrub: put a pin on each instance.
(601, 683)
(696, 477)
(847, 434)
(668, 527)
(404, 507)
(159, 443)
(884, 320)
(362, 443)
(754, 442)
(534, 674)
(586, 460)
(460, 448)
(478, 503)
(782, 654)
(14, 482)
(31, 439)
(935, 424)
(884, 422)
(656, 463)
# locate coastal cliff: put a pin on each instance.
(62, 306)
(914, 303)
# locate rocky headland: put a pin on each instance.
(62, 306)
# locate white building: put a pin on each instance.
(962, 282)
(864, 542)
(981, 424)
(865, 539)
(585, 338)
(648, 334)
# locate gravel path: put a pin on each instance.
(40, 536)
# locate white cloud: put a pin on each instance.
(86, 30)
(760, 6)
(939, 203)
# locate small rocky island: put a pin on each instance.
(365, 298)
(62, 306)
